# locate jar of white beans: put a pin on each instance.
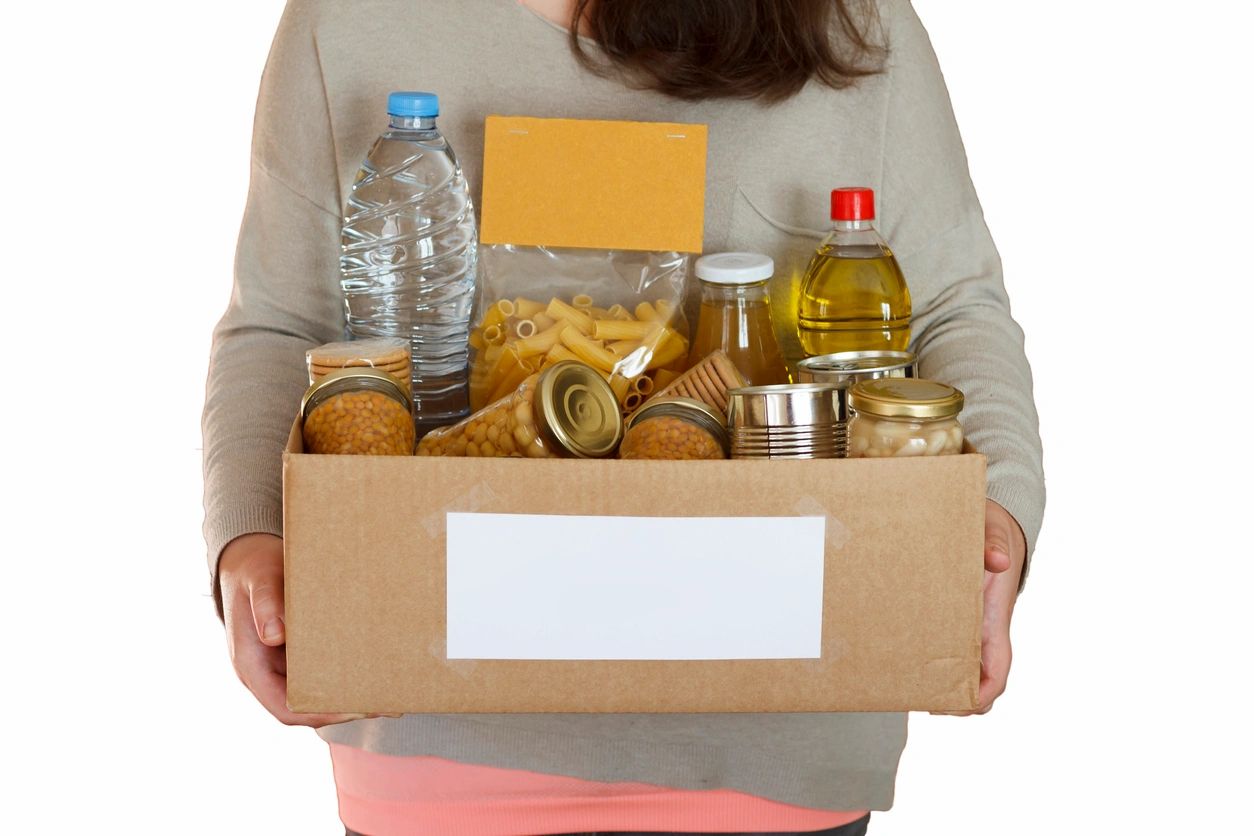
(904, 417)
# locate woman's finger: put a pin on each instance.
(994, 671)
(271, 691)
(259, 668)
(265, 592)
(995, 653)
(996, 540)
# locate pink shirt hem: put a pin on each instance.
(385, 795)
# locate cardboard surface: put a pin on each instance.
(593, 184)
(365, 567)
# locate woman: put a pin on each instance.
(799, 97)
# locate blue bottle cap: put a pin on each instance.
(413, 103)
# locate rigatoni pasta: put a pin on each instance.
(618, 311)
(629, 352)
(571, 315)
(609, 330)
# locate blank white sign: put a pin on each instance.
(526, 586)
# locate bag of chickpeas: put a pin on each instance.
(617, 311)
(567, 410)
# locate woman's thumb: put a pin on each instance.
(266, 594)
(996, 541)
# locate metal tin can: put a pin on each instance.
(358, 411)
(846, 368)
(901, 417)
(675, 428)
(797, 421)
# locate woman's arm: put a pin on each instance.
(285, 300)
(286, 294)
(963, 331)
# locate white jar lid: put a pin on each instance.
(735, 268)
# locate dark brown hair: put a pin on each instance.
(745, 49)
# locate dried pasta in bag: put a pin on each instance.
(618, 312)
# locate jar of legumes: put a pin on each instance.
(675, 428)
(904, 417)
(361, 411)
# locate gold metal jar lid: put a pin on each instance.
(576, 411)
(691, 410)
(358, 379)
(904, 397)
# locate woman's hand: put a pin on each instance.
(1004, 552)
(250, 574)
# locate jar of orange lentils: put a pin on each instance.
(675, 428)
(360, 411)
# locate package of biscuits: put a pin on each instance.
(708, 381)
(385, 354)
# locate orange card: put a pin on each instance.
(593, 184)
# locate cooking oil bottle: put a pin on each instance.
(854, 296)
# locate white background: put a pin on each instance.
(1110, 145)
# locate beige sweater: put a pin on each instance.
(769, 171)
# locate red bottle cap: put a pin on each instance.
(856, 204)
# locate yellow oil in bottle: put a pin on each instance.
(785, 301)
(853, 298)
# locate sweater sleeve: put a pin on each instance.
(963, 330)
(285, 297)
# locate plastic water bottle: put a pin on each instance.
(409, 252)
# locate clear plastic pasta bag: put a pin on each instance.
(566, 411)
(618, 311)
(504, 428)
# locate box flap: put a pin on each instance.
(295, 438)
(593, 184)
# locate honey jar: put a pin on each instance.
(567, 410)
(359, 411)
(904, 417)
(735, 316)
(675, 428)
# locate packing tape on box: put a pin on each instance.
(837, 532)
(467, 503)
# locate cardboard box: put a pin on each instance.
(366, 568)
(472, 585)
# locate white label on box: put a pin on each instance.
(527, 586)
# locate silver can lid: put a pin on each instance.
(846, 367)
